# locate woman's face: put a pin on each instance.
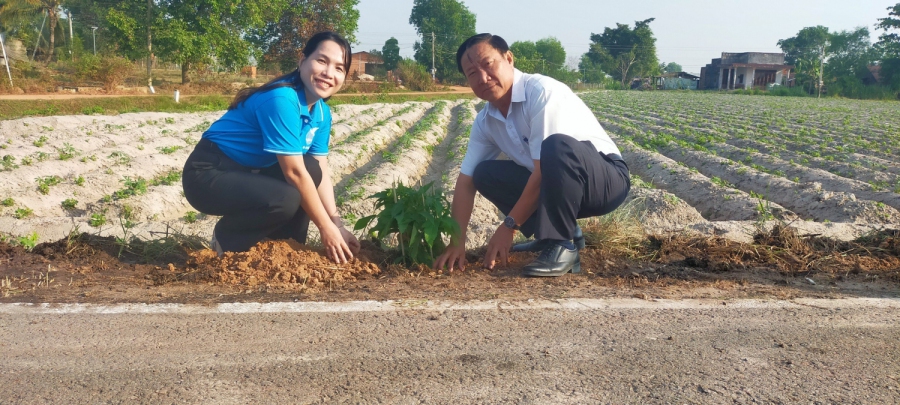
(323, 71)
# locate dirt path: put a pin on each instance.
(419, 351)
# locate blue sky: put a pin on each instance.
(690, 33)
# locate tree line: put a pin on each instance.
(231, 34)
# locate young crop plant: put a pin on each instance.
(44, 183)
(167, 179)
(133, 187)
(67, 151)
(168, 150)
(69, 203)
(40, 141)
(23, 212)
(98, 219)
(190, 217)
(120, 158)
(28, 242)
(419, 217)
(8, 163)
(8, 202)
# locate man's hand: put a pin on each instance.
(454, 257)
(498, 247)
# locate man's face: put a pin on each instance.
(489, 73)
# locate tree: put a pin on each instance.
(889, 45)
(552, 52)
(849, 55)
(623, 52)
(13, 11)
(443, 25)
(526, 56)
(390, 52)
(591, 72)
(807, 51)
(670, 67)
(287, 30)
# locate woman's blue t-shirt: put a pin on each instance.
(274, 122)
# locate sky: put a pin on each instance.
(688, 32)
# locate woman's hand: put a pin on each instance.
(351, 240)
(336, 247)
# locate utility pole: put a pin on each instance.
(94, 34)
(71, 37)
(821, 72)
(149, 49)
(433, 70)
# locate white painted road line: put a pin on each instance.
(575, 304)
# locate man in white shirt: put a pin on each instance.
(563, 166)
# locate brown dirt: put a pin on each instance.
(780, 264)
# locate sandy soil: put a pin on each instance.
(711, 240)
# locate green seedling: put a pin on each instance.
(28, 241)
(67, 151)
(8, 202)
(419, 217)
(8, 162)
(69, 203)
(190, 217)
(44, 183)
(22, 213)
(40, 141)
(98, 219)
(168, 150)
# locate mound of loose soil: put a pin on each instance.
(280, 263)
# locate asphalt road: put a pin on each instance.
(410, 352)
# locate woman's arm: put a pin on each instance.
(326, 194)
(315, 205)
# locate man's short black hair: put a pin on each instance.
(493, 40)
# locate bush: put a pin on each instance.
(414, 75)
(113, 71)
(87, 68)
(419, 217)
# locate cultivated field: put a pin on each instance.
(715, 164)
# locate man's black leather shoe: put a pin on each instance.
(554, 261)
(538, 245)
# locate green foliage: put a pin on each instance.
(168, 150)
(414, 75)
(418, 217)
(8, 202)
(79, 181)
(190, 217)
(69, 203)
(98, 219)
(8, 163)
(452, 23)
(133, 187)
(67, 151)
(390, 53)
(113, 71)
(44, 183)
(23, 212)
(28, 241)
(288, 25)
(167, 178)
(623, 52)
(889, 45)
(40, 141)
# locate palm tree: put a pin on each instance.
(12, 9)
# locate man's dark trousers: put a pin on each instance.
(576, 182)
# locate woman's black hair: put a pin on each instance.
(293, 79)
(493, 40)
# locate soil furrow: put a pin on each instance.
(807, 200)
(714, 202)
(362, 121)
(356, 154)
(781, 168)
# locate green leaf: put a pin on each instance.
(363, 222)
(431, 231)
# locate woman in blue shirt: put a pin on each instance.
(263, 166)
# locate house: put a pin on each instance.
(873, 76)
(744, 71)
(677, 81)
(363, 63)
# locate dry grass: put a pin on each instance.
(619, 233)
